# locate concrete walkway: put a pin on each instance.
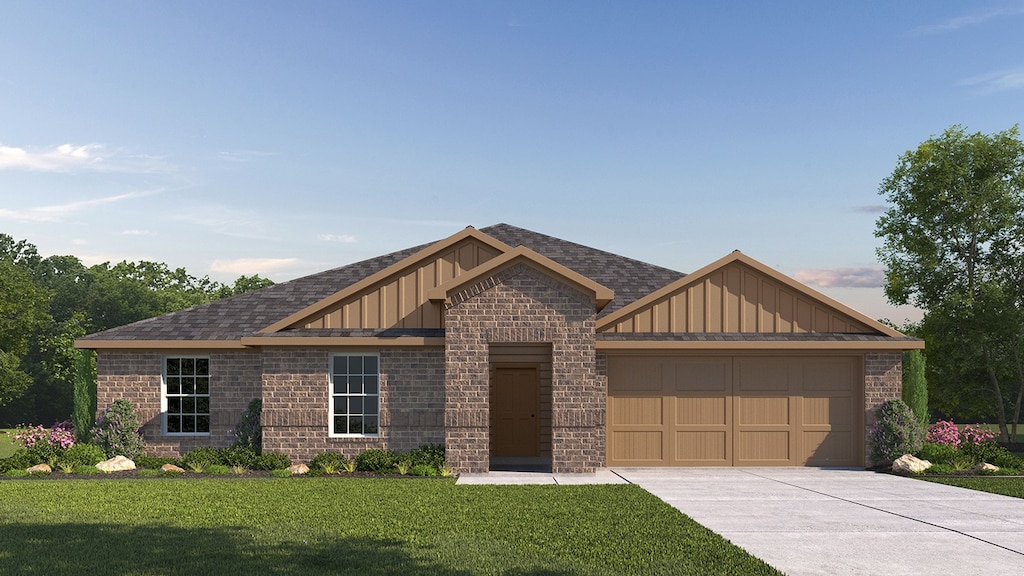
(599, 477)
(807, 521)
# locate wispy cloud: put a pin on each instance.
(970, 20)
(138, 233)
(225, 220)
(77, 157)
(61, 212)
(872, 277)
(999, 81)
(870, 209)
(260, 266)
(344, 238)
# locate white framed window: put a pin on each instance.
(185, 401)
(355, 395)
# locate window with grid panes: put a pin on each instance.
(355, 394)
(187, 395)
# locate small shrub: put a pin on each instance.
(16, 473)
(238, 456)
(149, 472)
(20, 460)
(248, 432)
(45, 445)
(376, 460)
(896, 432)
(218, 469)
(915, 386)
(155, 462)
(83, 454)
(991, 453)
(423, 470)
(281, 472)
(239, 470)
(86, 470)
(446, 471)
(937, 453)
(402, 466)
(328, 462)
(429, 454)
(349, 466)
(117, 430)
(201, 458)
(271, 461)
(941, 469)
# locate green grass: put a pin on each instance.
(349, 526)
(7, 446)
(1005, 486)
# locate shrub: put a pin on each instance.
(16, 473)
(117, 430)
(248, 432)
(20, 460)
(84, 393)
(423, 470)
(915, 386)
(992, 453)
(201, 458)
(86, 470)
(429, 454)
(946, 432)
(242, 456)
(147, 472)
(896, 432)
(271, 461)
(937, 453)
(281, 473)
(45, 445)
(328, 462)
(218, 469)
(154, 462)
(376, 460)
(82, 455)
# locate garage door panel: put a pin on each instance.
(636, 411)
(828, 447)
(635, 374)
(757, 411)
(639, 446)
(702, 375)
(764, 447)
(829, 374)
(701, 411)
(704, 448)
(762, 375)
(835, 411)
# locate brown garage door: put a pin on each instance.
(734, 411)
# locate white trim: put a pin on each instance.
(163, 395)
(331, 395)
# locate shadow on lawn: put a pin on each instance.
(106, 549)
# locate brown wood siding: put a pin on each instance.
(400, 300)
(718, 410)
(737, 298)
(530, 355)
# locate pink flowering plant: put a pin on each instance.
(946, 432)
(45, 445)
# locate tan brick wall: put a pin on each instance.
(136, 376)
(521, 304)
(883, 380)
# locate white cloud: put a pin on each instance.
(345, 238)
(1011, 79)
(260, 266)
(970, 20)
(137, 233)
(872, 277)
(870, 209)
(60, 212)
(77, 157)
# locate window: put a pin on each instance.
(355, 394)
(186, 395)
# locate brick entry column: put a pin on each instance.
(522, 304)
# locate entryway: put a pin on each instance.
(516, 420)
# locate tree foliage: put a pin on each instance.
(46, 303)
(915, 385)
(954, 246)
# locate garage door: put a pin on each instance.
(734, 411)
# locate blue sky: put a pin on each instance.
(285, 138)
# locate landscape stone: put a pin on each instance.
(40, 468)
(909, 464)
(297, 469)
(116, 464)
(172, 468)
(986, 467)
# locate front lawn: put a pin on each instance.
(1005, 486)
(349, 526)
(7, 446)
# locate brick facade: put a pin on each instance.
(883, 380)
(521, 304)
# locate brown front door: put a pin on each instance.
(515, 427)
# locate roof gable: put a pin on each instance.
(521, 254)
(737, 294)
(396, 296)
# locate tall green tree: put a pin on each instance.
(953, 244)
(915, 385)
(23, 313)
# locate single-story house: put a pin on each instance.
(510, 346)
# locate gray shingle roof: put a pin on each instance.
(246, 314)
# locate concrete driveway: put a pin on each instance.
(842, 521)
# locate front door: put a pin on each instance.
(515, 422)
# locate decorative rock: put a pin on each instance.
(40, 469)
(908, 464)
(172, 468)
(986, 467)
(116, 464)
(297, 469)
